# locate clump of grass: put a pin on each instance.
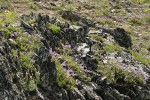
(33, 6)
(98, 12)
(147, 1)
(106, 22)
(147, 10)
(63, 79)
(147, 19)
(112, 48)
(70, 7)
(54, 28)
(140, 58)
(129, 30)
(135, 22)
(139, 1)
(5, 2)
(27, 42)
(117, 6)
(7, 17)
(104, 3)
(75, 67)
(97, 37)
(147, 45)
(55, 8)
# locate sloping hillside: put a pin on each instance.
(74, 50)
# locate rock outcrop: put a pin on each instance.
(77, 50)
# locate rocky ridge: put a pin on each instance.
(47, 59)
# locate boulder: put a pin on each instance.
(122, 38)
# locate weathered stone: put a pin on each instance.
(123, 39)
(76, 36)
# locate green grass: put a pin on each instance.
(70, 7)
(97, 37)
(147, 19)
(106, 22)
(147, 44)
(147, 1)
(137, 1)
(139, 57)
(113, 72)
(7, 17)
(135, 22)
(55, 29)
(63, 79)
(55, 8)
(112, 48)
(5, 3)
(33, 6)
(75, 67)
(147, 10)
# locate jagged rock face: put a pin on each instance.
(83, 52)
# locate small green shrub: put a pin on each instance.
(54, 28)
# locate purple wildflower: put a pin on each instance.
(136, 74)
(69, 71)
(86, 70)
(81, 66)
(29, 35)
(14, 34)
(21, 38)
